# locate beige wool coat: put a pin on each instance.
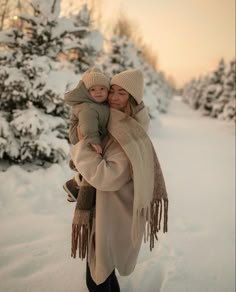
(111, 245)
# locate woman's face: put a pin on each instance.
(118, 97)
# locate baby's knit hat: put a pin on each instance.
(94, 76)
(132, 81)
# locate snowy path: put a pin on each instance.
(198, 254)
(198, 157)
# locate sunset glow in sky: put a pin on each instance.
(189, 36)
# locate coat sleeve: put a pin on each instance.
(107, 173)
(89, 125)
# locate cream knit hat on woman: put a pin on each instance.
(132, 81)
(94, 76)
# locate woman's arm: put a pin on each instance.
(107, 173)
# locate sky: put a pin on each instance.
(188, 36)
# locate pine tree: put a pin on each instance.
(190, 93)
(33, 112)
(87, 43)
(214, 93)
(227, 99)
(213, 89)
(122, 54)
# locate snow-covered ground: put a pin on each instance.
(198, 254)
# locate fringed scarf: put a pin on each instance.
(150, 196)
(82, 220)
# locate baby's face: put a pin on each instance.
(99, 93)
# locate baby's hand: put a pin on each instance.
(97, 147)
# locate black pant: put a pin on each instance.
(110, 285)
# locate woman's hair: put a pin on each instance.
(132, 103)
(132, 100)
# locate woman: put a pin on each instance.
(130, 186)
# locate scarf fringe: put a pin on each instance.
(79, 240)
(80, 234)
(154, 215)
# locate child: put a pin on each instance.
(90, 113)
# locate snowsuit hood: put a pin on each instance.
(78, 95)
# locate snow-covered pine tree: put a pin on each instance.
(31, 99)
(157, 90)
(121, 54)
(189, 93)
(164, 92)
(214, 93)
(87, 43)
(193, 91)
(213, 89)
(228, 97)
